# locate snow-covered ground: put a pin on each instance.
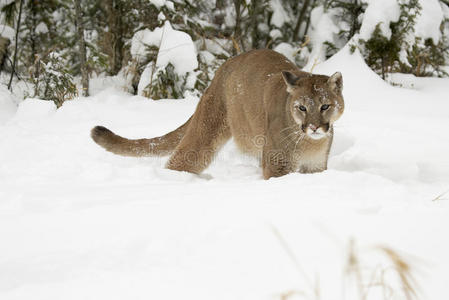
(77, 222)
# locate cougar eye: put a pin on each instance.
(324, 107)
(302, 108)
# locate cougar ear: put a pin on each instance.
(336, 82)
(290, 80)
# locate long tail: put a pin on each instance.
(158, 146)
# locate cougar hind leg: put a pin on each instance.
(206, 134)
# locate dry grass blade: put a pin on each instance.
(305, 43)
(441, 196)
(367, 278)
(291, 255)
(316, 62)
(287, 295)
(353, 267)
(403, 270)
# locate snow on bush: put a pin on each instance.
(392, 35)
(7, 32)
(429, 20)
(382, 13)
(287, 50)
(280, 16)
(323, 32)
(175, 47)
(161, 3)
(178, 49)
(407, 38)
(54, 81)
(427, 23)
(171, 71)
(142, 40)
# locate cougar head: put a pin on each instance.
(315, 101)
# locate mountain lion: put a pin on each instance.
(272, 110)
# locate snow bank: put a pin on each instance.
(77, 222)
(99, 83)
(34, 109)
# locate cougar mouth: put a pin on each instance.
(316, 134)
(319, 134)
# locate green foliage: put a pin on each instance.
(219, 28)
(9, 12)
(381, 53)
(53, 80)
(165, 84)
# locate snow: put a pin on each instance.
(7, 32)
(175, 47)
(390, 12)
(323, 29)
(445, 9)
(7, 104)
(161, 16)
(215, 46)
(98, 83)
(207, 57)
(81, 223)
(280, 16)
(144, 38)
(5, 2)
(287, 50)
(161, 3)
(41, 28)
(178, 49)
(429, 21)
(145, 78)
(275, 34)
(34, 109)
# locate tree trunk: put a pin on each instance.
(300, 19)
(82, 48)
(255, 32)
(114, 21)
(355, 12)
(237, 29)
(33, 32)
(19, 19)
(4, 43)
(308, 20)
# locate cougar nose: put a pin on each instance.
(313, 127)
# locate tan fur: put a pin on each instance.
(254, 98)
